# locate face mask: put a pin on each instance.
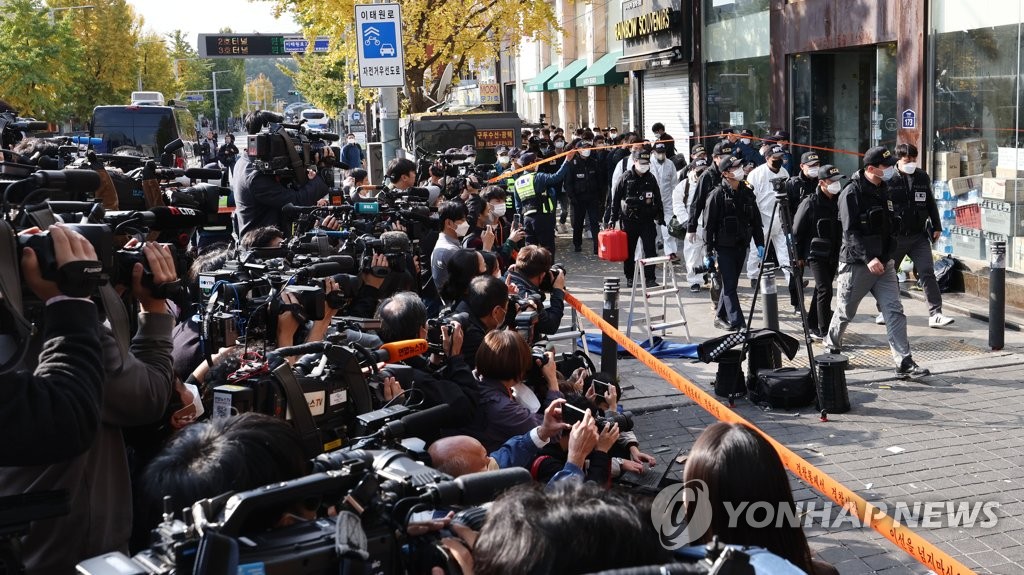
(775, 163)
(745, 141)
(351, 140)
(585, 153)
(498, 210)
(889, 173)
(462, 229)
(559, 145)
(504, 160)
(812, 172)
(642, 168)
(613, 133)
(738, 173)
(835, 187)
(660, 157)
(909, 168)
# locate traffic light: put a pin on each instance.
(293, 92)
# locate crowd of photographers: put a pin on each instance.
(356, 318)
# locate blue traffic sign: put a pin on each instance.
(379, 39)
(357, 116)
(193, 97)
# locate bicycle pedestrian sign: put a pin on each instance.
(381, 58)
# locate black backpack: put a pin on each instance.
(784, 388)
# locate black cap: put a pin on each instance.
(501, 150)
(729, 131)
(644, 157)
(730, 163)
(781, 135)
(746, 132)
(830, 173)
(584, 144)
(775, 150)
(809, 158)
(527, 158)
(698, 149)
(659, 147)
(699, 165)
(879, 156)
(722, 149)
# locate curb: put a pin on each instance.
(1013, 325)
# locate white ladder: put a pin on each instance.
(668, 287)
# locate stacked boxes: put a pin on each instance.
(968, 243)
(947, 166)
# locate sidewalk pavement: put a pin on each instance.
(953, 436)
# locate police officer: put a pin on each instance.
(745, 150)
(918, 216)
(584, 186)
(637, 204)
(733, 219)
(535, 201)
(708, 181)
(805, 183)
(817, 236)
(866, 263)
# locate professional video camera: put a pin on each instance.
(281, 149)
(375, 493)
(13, 128)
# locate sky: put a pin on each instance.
(209, 16)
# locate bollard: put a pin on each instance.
(610, 313)
(997, 296)
(770, 299)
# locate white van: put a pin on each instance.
(315, 119)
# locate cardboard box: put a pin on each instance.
(1011, 172)
(1015, 256)
(973, 167)
(1002, 218)
(947, 166)
(964, 184)
(1003, 189)
(968, 243)
(972, 148)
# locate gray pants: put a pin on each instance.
(855, 281)
(919, 248)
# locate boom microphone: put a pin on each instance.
(331, 265)
(421, 422)
(160, 218)
(397, 351)
(65, 179)
(476, 488)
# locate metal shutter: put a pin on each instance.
(667, 100)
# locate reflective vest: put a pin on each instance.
(510, 204)
(529, 199)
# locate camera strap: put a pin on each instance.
(302, 417)
(298, 166)
(117, 315)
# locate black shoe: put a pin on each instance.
(577, 249)
(629, 283)
(909, 369)
(726, 326)
(695, 288)
(807, 283)
(595, 249)
(753, 284)
(651, 283)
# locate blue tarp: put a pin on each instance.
(659, 348)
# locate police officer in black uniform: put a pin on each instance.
(708, 181)
(805, 183)
(732, 218)
(637, 204)
(584, 186)
(817, 236)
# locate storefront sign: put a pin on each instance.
(653, 26)
(489, 139)
(490, 94)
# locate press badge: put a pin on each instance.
(889, 203)
(920, 197)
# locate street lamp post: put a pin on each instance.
(216, 108)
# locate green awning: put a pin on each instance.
(539, 82)
(602, 73)
(564, 79)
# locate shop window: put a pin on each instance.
(736, 95)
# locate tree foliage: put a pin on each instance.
(436, 32)
(261, 89)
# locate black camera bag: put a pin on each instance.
(784, 388)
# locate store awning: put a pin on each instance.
(564, 79)
(540, 81)
(602, 73)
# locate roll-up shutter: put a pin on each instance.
(666, 94)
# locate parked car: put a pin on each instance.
(136, 131)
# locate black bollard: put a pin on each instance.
(770, 298)
(997, 296)
(610, 313)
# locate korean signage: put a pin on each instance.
(381, 57)
(490, 139)
(490, 94)
(257, 45)
(652, 26)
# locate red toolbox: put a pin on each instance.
(611, 246)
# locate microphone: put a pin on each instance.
(65, 179)
(48, 163)
(420, 422)
(331, 265)
(160, 218)
(418, 194)
(291, 210)
(477, 488)
(395, 242)
(327, 136)
(26, 126)
(397, 351)
(203, 174)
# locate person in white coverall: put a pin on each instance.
(761, 180)
(683, 196)
(665, 172)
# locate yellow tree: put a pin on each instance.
(261, 89)
(157, 71)
(436, 32)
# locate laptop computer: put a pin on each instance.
(654, 478)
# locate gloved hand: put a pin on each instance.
(708, 261)
(760, 252)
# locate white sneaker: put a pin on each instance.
(880, 320)
(939, 320)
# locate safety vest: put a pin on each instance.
(529, 199)
(510, 204)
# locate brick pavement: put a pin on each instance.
(959, 430)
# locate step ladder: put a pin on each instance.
(668, 287)
(574, 332)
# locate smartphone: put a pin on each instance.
(572, 414)
(600, 387)
(517, 222)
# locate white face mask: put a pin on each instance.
(642, 168)
(498, 210)
(835, 187)
(351, 140)
(559, 145)
(659, 156)
(745, 141)
(504, 160)
(585, 153)
(909, 168)
(462, 229)
(812, 172)
(889, 173)
(738, 173)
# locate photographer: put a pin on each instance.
(463, 266)
(532, 274)
(53, 413)
(580, 453)
(136, 391)
(403, 316)
(259, 197)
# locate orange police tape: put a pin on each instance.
(508, 173)
(924, 551)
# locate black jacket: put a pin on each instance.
(260, 197)
(708, 181)
(817, 217)
(799, 187)
(733, 217)
(472, 335)
(585, 181)
(638, 198)
(867, 218)
(670, 144)
(549, 317)
(453, 385)
(913, 203)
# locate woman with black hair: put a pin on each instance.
(481, 233)
(463, 266)
(739, 465)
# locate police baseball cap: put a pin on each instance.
(879, 156)
(659, 147)
(644, 157)
(514, 153)
(501, 151)
(746, 132)
(527, 158)
(830, 173)
(781, 135)
(809, 158)
(584, 144)
(723, 149)
(699, 165)
(698, 149)
(775, 150)
(729, 131)
(730, 163)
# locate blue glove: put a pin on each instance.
(708, 260)
(760, 252)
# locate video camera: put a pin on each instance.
(285, 150)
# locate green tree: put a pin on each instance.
(261, 89)
(156, 69)
(39, 61)
(436, 32)
(321, 80)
